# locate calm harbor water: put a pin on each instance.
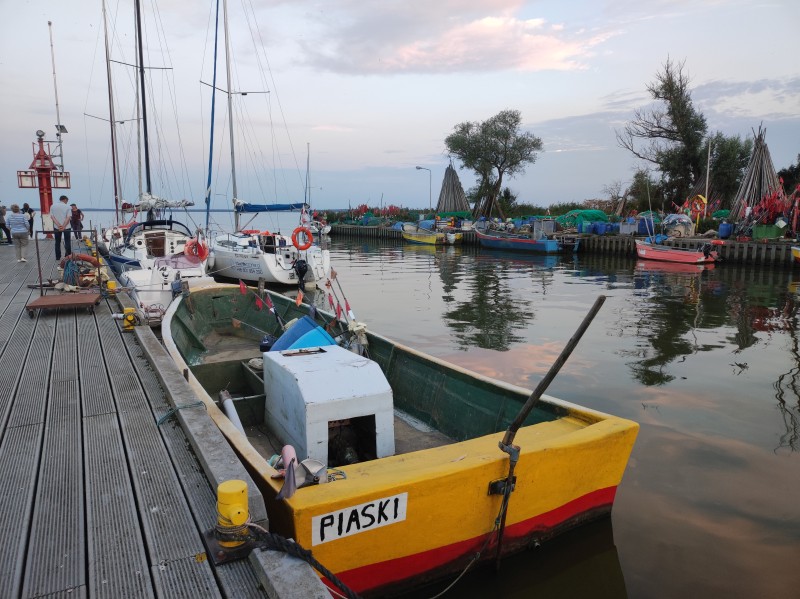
(708, 362)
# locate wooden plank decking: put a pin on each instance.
(96, 499)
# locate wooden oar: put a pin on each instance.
(507, 446)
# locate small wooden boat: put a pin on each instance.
(652, 251)
(409, 441)
(796, 254)
(415, 234)
(499, 240)
(453, 236)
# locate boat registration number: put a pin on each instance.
(358, 518)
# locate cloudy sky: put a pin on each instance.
(372, 88)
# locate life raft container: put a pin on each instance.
(196, 248)
(309, 238)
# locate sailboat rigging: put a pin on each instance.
(252, 255)
(111, 118)
(157, 256)
(309, 218)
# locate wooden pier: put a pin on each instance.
(102, 494)
(771, 253)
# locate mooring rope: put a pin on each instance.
(273, 542)
(174, 410)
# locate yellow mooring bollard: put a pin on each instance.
(111, 287)
(230, 539)
(232, 512)
(128, 319)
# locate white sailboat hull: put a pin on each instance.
(147, 244)
(153, 289)
(271, 258)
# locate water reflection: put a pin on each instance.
(708, 362)
(787, 387)
(671, 305)
(670, 321)
(491, 316)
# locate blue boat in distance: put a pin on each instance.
(499, 240)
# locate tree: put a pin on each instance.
(614, 192)
(494, 149)
(729, 158)
(507, 201)
(641, 193)
(670, 133)
(791, 177)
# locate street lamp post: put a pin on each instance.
(430, 186)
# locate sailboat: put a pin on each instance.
(156, 258)
(251, 255)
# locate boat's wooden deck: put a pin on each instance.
(96, 498)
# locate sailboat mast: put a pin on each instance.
(111, 119)
(140, 43)
(213, 108)
(230, 110)
(59, 127)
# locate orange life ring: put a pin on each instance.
(80, 257)
(697, 204)
(196, 248)
(309, 238)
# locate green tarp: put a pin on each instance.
(573, 217)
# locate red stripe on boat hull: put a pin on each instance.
(427, 566)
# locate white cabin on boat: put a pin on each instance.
(317, 398)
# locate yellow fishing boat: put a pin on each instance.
(415, 234)
(410, 449)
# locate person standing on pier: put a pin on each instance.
(26, 209)
(60, 213)
(3, 226)
(18, 223)
(76, 220)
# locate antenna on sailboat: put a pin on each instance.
(59, 153)
(308, 180)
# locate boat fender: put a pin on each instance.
(309, 238)
(80, 257)
(196, 248)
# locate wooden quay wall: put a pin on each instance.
(772, 252)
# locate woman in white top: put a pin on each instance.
(17, 222)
